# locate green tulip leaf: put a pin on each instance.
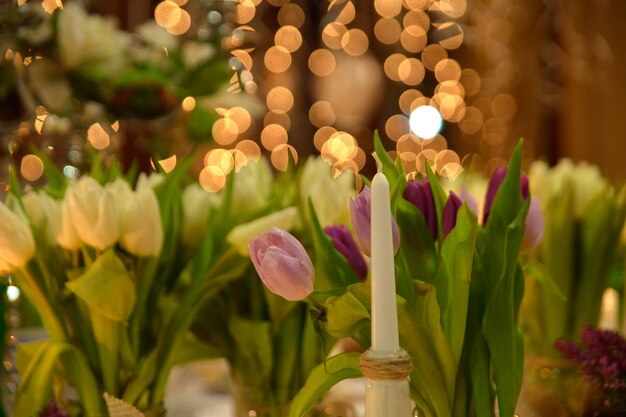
(106, 287)
(253, 349)
(346, 314)
(322, 378)
(439, 195)
(416, 242)
(454, 277)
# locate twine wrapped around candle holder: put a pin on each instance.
(394, 366)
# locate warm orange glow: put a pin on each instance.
(277, 59)
(279, 99)
(413, 38)
(411, 71)
(50, 6)
(322, 135)
(225, 131)
(347, 13)
(392, 63)
(449, 35)
(470, 80)
(244, 57)
(288, 37)
(406, 100)
(447, 69)
(272, 136)
(396, 126)
(387, 30)
(332, 35)
(355, 42)
(182, 26)
(504, 106)
(472, 122)
(388, 8)
(167, 14)
(432, 54)
(244, 11)
(220, 158)
(321, 114)
(416, 4)
(277, 117)
(291, 14)
(189, 103)
(168, 164)
(322, 62)
(31, 168)
(98, 137)
(241, 117)
(281, 154)
(416, 18)
(212, 179)
(250, 149)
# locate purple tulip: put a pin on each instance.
(53, 410)
(420, 195)
(361, 216)
(450, 211)
(345, 244)
(469, 199)
(283, 264)
(535, 226)
(494, 184)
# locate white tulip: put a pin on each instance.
(90, 40)
(240, 235)
(149, 181)
(252, 186)
(330, 196)
(139, 218)
(93, 213)
(67, 237)
(44, 213)
(197, 206)
(17, 245)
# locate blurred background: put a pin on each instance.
(150, 81)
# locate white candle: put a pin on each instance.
(384, 310)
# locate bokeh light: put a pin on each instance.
(425, 122)
(31, 167)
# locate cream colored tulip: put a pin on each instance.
(90, 40)
(44, 213)
(240, 235)
(330, 196)
(17, 245)
(93, 213)
(197, 207)
(149, 181)
(252, 186)
(139, 218)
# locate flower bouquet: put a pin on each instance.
(269, 342)
(459, 287)
(567, 275)
(102, 263)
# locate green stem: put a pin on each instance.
(47, 311)
(107, 335)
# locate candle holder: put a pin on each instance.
(387, 388)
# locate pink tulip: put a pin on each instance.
(535, 226)
(361, 216)
(283, 264)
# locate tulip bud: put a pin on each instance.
(44, 213)
(139, 218)
(93, 213)
(241, 234)
(17, 245)
(345, 244)
(67, 237)
(329, 195)
(494, 184)
(283, 264)
(361, 216)
(197, 206)
(450, 211)
(535, 226)
(420, 195)
(252, 186)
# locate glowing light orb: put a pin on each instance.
(13, 293)
(425, 122)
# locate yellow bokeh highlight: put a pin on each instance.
(225, 130)
(280, 156)
(212, 179)
(273, 135)
(182, 26)
(413, 38)
(250, 149)
(347, 13)
(432, 54)
(277, 117)
(411, 71)
(98, 137)
(167, 14)
(388, 8)
(387, 30)
(277, 59)
(447, 69)
(396, 126)
(355, 42)
(189, 103)
(220, 158)
(279, 99)
(168, 164)
(392, 64)
(31, 167)
(321, 113)
(291, 14)
(289, 37)
(322, 135)
(416, 18)
(322, 62)
(244, 11)
(332, 35)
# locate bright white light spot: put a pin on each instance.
(13, 293)
(425, 122)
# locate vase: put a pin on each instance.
(551, 388)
